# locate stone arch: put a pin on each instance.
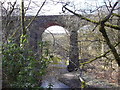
(49, 24)
(39, 25)
(58, 41)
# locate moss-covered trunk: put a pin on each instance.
(23, 36)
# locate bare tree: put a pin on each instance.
(104, 25)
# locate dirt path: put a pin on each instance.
(51, 78)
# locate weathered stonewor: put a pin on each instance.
(41, 23)
(74, 51)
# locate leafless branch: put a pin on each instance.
(93, 21)
(30, 20)
(109, 15)
(103, 55)
(13, 6)
(28, 6)
(36, 14)
(53, 37)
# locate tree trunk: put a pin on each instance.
(113, 49)
(119, 44)
(0, 47)
(22, 18)
(22, 23)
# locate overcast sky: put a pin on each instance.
(54, 8)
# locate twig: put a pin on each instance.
(13, 6)
(109, 15)
(103, 55)
(31, 20)
(36, 14)
(92, 21)
(28, 6)
(53, 37)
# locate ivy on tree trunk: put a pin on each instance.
(22, 22)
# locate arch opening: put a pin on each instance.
(57, 38)
(55, 29)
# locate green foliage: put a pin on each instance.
(23, 68)
(83, 84)
(56, 60)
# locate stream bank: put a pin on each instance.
(51, 78)
(58, 77)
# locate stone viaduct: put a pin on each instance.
(41, 23)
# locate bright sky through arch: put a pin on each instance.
(55, 29)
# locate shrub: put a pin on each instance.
(22, 68)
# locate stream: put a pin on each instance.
(51, 78)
